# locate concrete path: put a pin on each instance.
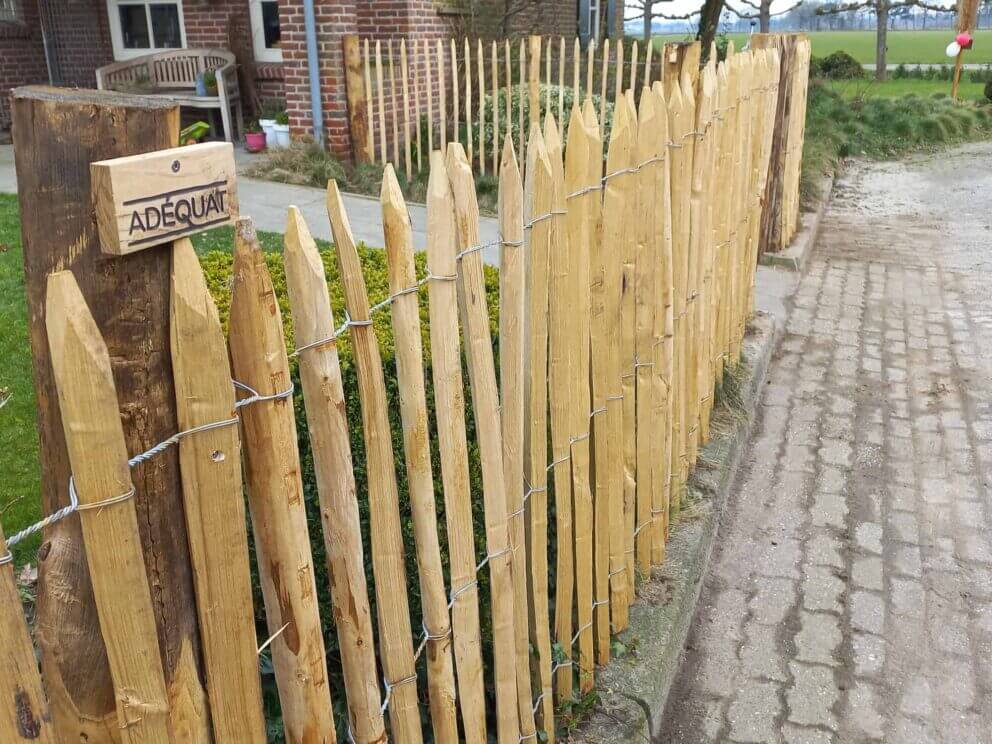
(850, 595)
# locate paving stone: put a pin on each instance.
(753, 712)
(819, 638)
(812, 695)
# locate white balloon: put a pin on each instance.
(953, 49)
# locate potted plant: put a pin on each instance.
(210, 83)
(280, 130)
(254, 137)
(267, 120)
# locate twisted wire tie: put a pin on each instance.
(543, 217)
(614, 397)
(523, 503)
(390, 686)
(75, 506)
(596, 411)
(586, 190)
(559, 461)
(616, 572)
(573, 440)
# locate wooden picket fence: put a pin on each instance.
(625, 289)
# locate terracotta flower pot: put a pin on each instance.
(255, 141)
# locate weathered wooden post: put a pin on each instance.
(358, 111)
(57, 134)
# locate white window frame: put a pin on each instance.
(10, 11)
(594, 10)
(117, 36)
(262, 52)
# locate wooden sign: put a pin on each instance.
(157, 197)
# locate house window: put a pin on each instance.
(594, 18)
(9, 10)
(265, 30)
(138, 27)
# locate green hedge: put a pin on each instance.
(217, 266)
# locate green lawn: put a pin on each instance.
(869, 88)
(20, 505)
(904, 46)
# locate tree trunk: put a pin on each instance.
(709, 22)
(57, 134)
(881, 38)
(648, 18)
(765, 16)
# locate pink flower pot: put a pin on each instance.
(254, 141)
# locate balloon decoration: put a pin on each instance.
(953, 49)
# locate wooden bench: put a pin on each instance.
(173, 74)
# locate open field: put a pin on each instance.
(892, 88)
(909, 47)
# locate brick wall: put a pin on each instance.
(82, 39)
(22, 56)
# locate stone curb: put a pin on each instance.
(794, 257)
(633, 689)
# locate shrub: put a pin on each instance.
(933, 129)
(841, 66)
(987, 91)
(217, 266)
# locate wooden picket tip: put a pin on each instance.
(449, 403)
(275, 495)
(327, 424)
(24, 715)
(405, 308)
(512, 381)
(92, 425)
(210, 463)
(474, 316)
(388, 564)
(538, 195)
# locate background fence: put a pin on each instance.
(625, 285)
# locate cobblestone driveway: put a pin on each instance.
(849, 598)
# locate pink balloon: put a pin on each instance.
(965, 40)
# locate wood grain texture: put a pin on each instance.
(275, 497)
(449, 403)
(88, 403)
(405, 75)
(24, 714)
(388, 563)
(213, 502)
(474, 315)
(59, 233)
(538, 195)
(383, 139)
(327, 425)
(512, 380)
(405, 310)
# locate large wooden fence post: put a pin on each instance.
(358, 109)
(57, 133)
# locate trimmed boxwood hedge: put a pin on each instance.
(217, 266)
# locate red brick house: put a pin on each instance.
(64, 41)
